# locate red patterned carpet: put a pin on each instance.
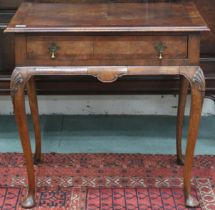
(106, 182)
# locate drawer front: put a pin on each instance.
(103, 50)
(140, 47)
(38, 48)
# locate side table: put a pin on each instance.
(107, 41)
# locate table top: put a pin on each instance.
(107, 17)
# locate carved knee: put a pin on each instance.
(18, 80)
(195, 76)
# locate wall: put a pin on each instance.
(111, 104)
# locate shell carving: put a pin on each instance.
(17, 79)
(198, 79)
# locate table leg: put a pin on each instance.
(197, 83)
(35, 117)
(18, 81)
(184, 84)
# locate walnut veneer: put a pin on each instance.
(107, 41)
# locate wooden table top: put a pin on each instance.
(108, 17)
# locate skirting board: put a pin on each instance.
(108, 105)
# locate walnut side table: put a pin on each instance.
(107, 41)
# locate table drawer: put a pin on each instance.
(67, 50)
(38, 47)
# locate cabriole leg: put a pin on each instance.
(184, 84)
(18, 82)
(197, 83)
(32, 95)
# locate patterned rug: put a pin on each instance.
(106, 182)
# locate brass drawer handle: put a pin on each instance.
(160, 47)
(53, 49)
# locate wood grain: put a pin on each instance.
(107, 57)
(116, 17)
(104, 50)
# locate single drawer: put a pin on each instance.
(103, 50)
